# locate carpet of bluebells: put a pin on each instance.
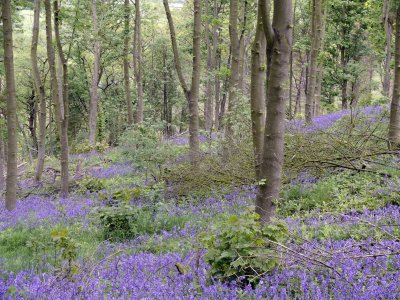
(317, 268)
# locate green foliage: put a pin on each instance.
(239, 249)
(151, 193)
(91, 184)
(86, 147)
(149, 152)
(126, 222)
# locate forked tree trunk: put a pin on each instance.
(279, 35)
(40, 93)
(387, 22)
(127, 84)
(11, 181)
(257, 93)
(192, 94)
(94, 98)
(394, 124)
(137, 63)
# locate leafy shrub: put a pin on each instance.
(126, 222)
(238, 248)
(86, 147)
(150, 152)
(91, 184)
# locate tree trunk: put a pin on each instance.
(137, 63)
(316, 43)
(387, 21)
(11, 181)
(235, 63)
(32, 107)
(95, 78)
(257, 93)
(208, 105)
(40, 93)
(394, 124)
(217, 66)
(2, 164)
(64, 104)
(343, 62)
(195, 88)
(127, 85)
(280, 36)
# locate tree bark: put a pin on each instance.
(94, 98)
(208, 105)
(137, 63)
(127, 85)
(2, 165)
(195, 88)
(64, 104)
(257, 93)
(217, 66)
(235, 63)
(277, 95)
(394, 123)
(316, 44)
(343, 62)
(32, 121)
(388, 25)
(11, 181)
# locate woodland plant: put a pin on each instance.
(239, 249)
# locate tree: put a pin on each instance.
(94, 98)
(388, 26)
(40, 93)
(316, 46)
(137, 63)
(235, 63)
(279, 39)
(257, 92)
(127, 84)
(394, 123)
(192, 94)
(11, 181)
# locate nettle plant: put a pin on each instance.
(239, 249)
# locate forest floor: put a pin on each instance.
(119, 235)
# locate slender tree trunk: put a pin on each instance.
(225, 90)
(387, 21)
(343, 61)
(40, 93)
(235, 63)
(217, 66)
(394, 124)
(291, 67)
(191, 95)
(279, 34)
(127, 84)
(94, 98)
(32, 107)
(137, 63)
(195, 88)
(11, 182)
(64, 104)
(316, 44)
(217, 93)
(257, 93)
(242, 48)
(2, 166)
(208, 105)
